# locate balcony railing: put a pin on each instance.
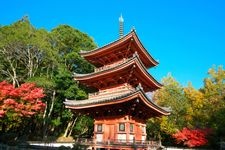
(119, 143)
(110, 66)
(112, 92)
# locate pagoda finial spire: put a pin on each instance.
(121, 20)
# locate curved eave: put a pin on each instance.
(140, 45)
(89, 104)
(135, 61)
(148, 60)
(153, 105)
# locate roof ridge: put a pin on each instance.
(85, 51)
(94, 101)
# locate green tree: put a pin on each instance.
(27, 55)
(68, 42)
(214, 96)
(25, 52)
(172, 95)
(49, 59)
(196, 112)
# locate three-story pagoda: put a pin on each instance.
(120, 107)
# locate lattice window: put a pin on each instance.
(122, 127)
(99, 128)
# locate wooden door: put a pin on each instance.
(109, 132)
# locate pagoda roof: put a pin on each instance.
(131, 70)
(136, 101)
(119, 49)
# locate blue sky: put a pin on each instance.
(186, 36)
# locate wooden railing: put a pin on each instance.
(119, 142)
(110, 66)
(86, 142)
(112, 92)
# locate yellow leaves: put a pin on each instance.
(217, 74)
(190, 111)
(189, 115)
(167, 126)
(214, 88)
(195, 97)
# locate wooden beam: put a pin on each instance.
(128, 48)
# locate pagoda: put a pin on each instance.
(119, 105)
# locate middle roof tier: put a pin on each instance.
(131, 71)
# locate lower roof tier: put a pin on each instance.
(135, 104)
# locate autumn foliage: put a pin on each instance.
(192, 138)
(23, 101)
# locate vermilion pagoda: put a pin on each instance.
(120, 106)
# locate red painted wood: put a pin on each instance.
(118, 107)
(111, 132)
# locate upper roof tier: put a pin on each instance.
(124, 47)
(131, 71)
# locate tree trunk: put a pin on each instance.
(30, 63)
(160, 139)
(12, 65)
(52, 104)
(47, 116)
(14, 75)
(69, 127)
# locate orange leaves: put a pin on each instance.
(9, 102)
(5, 89)
(192, 138)
(22, 101)
(2, 113)
(28, 92)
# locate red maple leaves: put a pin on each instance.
(192, 138)
(22, 101)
